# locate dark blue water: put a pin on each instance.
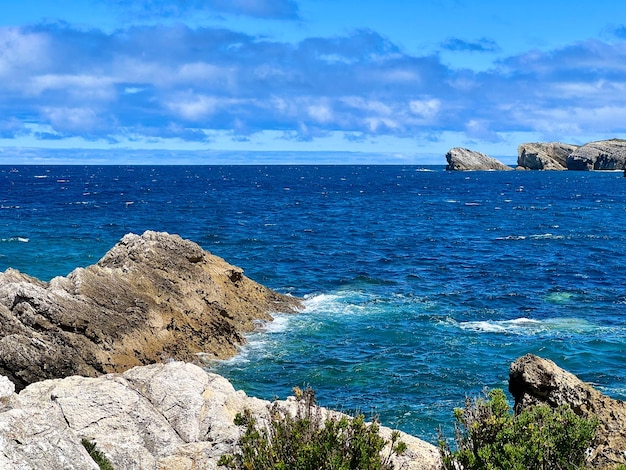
(421, 286)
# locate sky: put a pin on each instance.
(305, 81)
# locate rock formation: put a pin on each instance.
(461, 159)
(544, 156)
(171, 416)
(149, 299)
(601, 155)
(535, 380)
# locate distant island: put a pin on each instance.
(599, 155)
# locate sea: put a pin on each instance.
(421, 286)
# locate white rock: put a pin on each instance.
(173, 416)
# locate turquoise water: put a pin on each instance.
(421, 286)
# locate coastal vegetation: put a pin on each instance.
(97, 455)
(489, 436)
(311, 441)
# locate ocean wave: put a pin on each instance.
(278, 325)
(547, 236)
(537, 236)
(528, 327)
(15, 240)
(512, 237)
(347, 302)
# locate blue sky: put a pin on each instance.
(271, 81)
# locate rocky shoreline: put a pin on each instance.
(600, 155)
(107, 354)
(151, 298)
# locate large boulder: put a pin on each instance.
(151, 298)
(544, 156)
(161, 416)
(462, 159)
(601, 155)
(534, 380)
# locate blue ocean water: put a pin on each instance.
(421, 285)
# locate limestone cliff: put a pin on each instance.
(151, 298)
(462, 159)
(536, 380)
(601, 155)
(172, 416)
(544, 156)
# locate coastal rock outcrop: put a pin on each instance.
(151, 298)
(462, 159)
(536, 380)
(601, 155)
(544, 155)
(161, 416)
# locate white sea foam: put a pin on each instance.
(546, 236)
(16, 239)
(345, 301)
(528, 326)
(512, 237)
(278, 325)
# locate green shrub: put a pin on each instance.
(97, 455)
(308, 441)
(488, 436)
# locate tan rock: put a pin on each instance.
(151, 298)
(544, 156)
(536, 380)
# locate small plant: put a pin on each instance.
(307, 441)
(97, 455)
(488, 436)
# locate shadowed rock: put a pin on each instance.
(544, 156)
(151, 298)
(461, 159)
(534, 380)
(601, 155)
(161, 416)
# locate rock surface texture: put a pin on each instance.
(151, 298)
(536, 380)
(601, 155)
(544, 156)
(461, 159)
(172, 416)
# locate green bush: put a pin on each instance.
(97, 455)
(308, 441)
(489, 437)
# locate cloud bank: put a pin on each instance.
(162, 82)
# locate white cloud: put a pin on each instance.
(73, 120)
(425, 109)
(320, 113)
(78, 86)
(193, 107)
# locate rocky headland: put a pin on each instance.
(462, 159)
(600, 155)
(151, 298)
